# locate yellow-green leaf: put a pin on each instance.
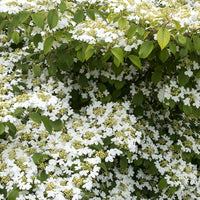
(122, 22)
(52, 18)
(38, 19)
(118, 53)
(145, 49)
(163, 37)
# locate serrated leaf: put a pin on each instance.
(162, 184)
(52, 18)
(15, 37)
(2, 129)
(91, 13)
(36, 117)
(196, 42)
(79, 16)
(145, 49)
(57, 125)
(131, 31)
(37, 70)
(163, 37)
(172, 47)
(47, 123)
(123, 163)
(13, 194)
(135, 60)
(118, 54)
(48, 43)
(164, 55)
(38, 19)
(122, 22)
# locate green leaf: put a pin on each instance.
(103, 166)
(141, 31)
(36, 39)
(48, 43)
(118, 54)
(172, 190)
(39, 158)
(57, 125)
(52, 18)
(145, 49)
(36, 117)
(43, 176)
(37, 70)
(79, 16)
(52, 70)
(156, 76)
(13, 194)
(138, 162)
(58, 35)
(122, 22)
(2, 129)
(196, 41)
(12, 128)
(163, 37)
(47, 123)
(135, 60)
(83, 81)
(172, 47)
(123, 163)
(131, 31)
(183, 52)
(23, 16)
(81, 55)
(164, 55)
(187, 109)
(62, 6)
(89, 51)
(183, 79)
(181, 39)
(138, 99)
(38, 19)
(119, 84)
(162, 184)
(15, 37)
(18, 112)
(91, 13)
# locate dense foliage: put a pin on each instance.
(99, 99)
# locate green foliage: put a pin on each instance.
(162, 184)
(163, 37)
(39, 158)
(47, 123)
(13, 194)
(52, 18)
(38, 19)
(146, 48)
(135, 60)
(2, 128)
(36, 117)
(48, 43)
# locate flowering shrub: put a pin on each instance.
(99, 99)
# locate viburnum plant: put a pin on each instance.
(99, 99)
